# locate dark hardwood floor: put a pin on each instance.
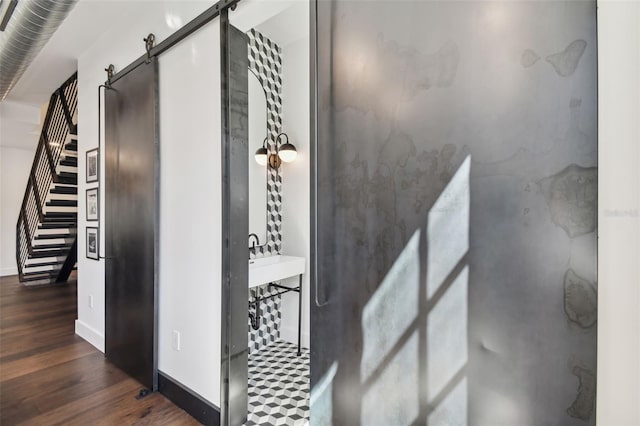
(48, 375)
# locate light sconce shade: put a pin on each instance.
(261, 154)
(287, 153)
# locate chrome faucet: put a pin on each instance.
(256, 241)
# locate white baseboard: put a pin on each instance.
(90, 334)
(11, 270)
(290, 334)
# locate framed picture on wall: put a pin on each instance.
(93, 165)
(93, 204)
(93, 242)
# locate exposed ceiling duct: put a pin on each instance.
(31, 26)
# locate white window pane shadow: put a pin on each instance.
(447, 336)
(415, 338)
(448, 228)
(392, 309)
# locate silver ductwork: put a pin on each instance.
(30, 28)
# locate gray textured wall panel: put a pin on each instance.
(457, 191)
(235, 222)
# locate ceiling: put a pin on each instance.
(86, 23)
(91, 19)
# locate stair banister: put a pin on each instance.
(35, 216)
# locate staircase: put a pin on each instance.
(46, 232)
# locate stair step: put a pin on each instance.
(71, 146)
(62, 210)
(52, 236)
(53, 215)
(35, 278)
(63, 203)
(64, 190)
(38, 276)
(69, 161)
(41, 264)
(69, 197)
(51, 246)
(67, 180)
(67, 169)
(68, 175)
(57, 225)
(37, 244)
(48, 253)
(65, 220)
(60, 223)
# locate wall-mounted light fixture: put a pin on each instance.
(285, 152)
(262, 154)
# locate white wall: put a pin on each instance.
(189, 300)
(618, 402)
(295, 181)
(18, 141)
(15, 164)
(190, 212)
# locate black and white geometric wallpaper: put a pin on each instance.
(269, 326)
(265, 62)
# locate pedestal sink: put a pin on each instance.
(274, 268)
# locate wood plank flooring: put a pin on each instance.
(49, 376)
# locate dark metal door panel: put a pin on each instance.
(456, 198)
(235, 222)
(131, 195)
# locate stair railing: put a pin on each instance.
(58, 124)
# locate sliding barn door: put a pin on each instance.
(131, 207)
(455, 191)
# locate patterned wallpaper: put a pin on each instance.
(270, 317)
(265, 62)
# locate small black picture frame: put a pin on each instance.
(92, 203)
(93, 242)
(93, 165)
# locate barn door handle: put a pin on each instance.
(314, 168)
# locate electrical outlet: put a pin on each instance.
(91, 302)
(175, 340)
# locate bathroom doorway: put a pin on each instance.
(277, 255)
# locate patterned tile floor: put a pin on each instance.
(279, 386)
